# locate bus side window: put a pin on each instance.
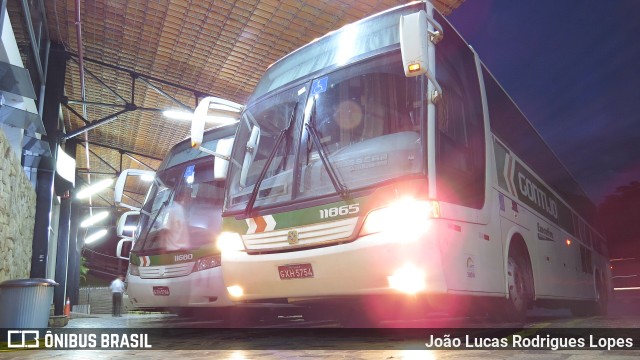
(460, 142)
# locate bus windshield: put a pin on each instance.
(182, 210)
(335, 49)
(364, 119)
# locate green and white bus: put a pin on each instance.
(174, 263)
(383, 161)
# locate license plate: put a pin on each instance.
(161, 291)
(297, 271)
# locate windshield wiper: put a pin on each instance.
(342, 189)
(267, 164)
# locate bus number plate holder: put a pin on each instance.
(295, 271)
(161, 291)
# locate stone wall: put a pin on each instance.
(17, 215)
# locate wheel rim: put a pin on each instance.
(517, 291)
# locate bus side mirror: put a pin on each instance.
(124, 248)
(250, 154)
(414, 41)
(419, 32)
(127, 224)
(118, 190)
(223, 111)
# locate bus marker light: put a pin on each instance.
(408, 279)
(414, 67)
(235, 291)
(568, 242)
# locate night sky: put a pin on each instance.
(573, 68)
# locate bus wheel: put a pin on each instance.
(519, 285)
(598, 306)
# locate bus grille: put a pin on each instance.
(311, 235)
(165, 271)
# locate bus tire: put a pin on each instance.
(519, 286)
(597, 307)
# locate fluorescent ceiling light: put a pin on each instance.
(178, 115)
(94, 188)
(94, 219)
(66, 166)
(95, 236)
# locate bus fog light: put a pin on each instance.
(235, 291)
(229, 241)
(408, 279)
(207, 262)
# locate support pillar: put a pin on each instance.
(46, 171)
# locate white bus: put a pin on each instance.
(383, 164)
(174, 263)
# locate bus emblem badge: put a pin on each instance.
(292, 237)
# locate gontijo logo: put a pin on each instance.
(538, 196)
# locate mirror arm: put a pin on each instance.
(435, 35)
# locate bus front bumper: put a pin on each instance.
(375, 264)
(198, 289)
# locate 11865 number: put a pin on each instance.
(339, 211)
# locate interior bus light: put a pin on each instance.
(414, 67)
(96, 218)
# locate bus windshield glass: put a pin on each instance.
(183, 207)
(364, 119)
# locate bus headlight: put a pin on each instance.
(235, 291)
(229, 241)
(207, 262)
(133, 270)
(406, 219)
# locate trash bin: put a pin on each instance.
(26, 303)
